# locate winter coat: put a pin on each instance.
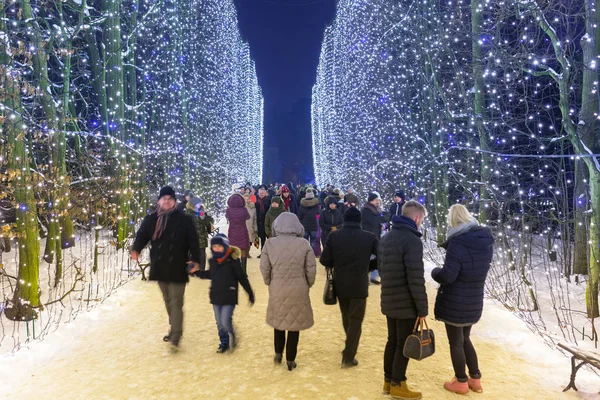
(272, 215)
(237, 215)
(251, 223)
(288, 266)
(225, 277)
(330, 218)
(203, 225)
(169, 253)
(307, 214)
(400, 261)
(468, 258)
(372, 219)
(260, 216)
(293, 208)
(396, 209)
(348, 251)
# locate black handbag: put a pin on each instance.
(421, 344)
(329, 296)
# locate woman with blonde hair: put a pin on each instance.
(459, 302)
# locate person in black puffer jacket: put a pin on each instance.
(459, 302)
(348, 252)
(225, 273)
(307, 214)
(403, 295)
(173, 236)
(372, 218)
(331, 218)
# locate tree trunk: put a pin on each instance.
(581, 225)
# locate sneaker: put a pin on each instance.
(386, 387)
(475, 385)
(350, 364)
(457, 387)
(402, 392)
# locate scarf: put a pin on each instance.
(262, 204)
(286, 201)
(460, 229)
(401, 219)
(220, 257)
(161, 222)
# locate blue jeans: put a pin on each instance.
(311, 237)
(224, 318)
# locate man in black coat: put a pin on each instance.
(263, 203)
(372, 218)
(348, 252)
(396, 208)
(173, 236)
(403, 295)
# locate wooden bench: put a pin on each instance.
(585, 356)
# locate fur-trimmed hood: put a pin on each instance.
(309, 202)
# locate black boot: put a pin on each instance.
(291, 365)
(350, 364)
(278, 358)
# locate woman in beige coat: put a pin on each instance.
(288, 267)
(251, 223)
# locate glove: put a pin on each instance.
(333, 229)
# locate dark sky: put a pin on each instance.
(285, 42)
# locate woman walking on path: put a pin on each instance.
(237, 215)
(331, 219)
(459, 302)
(289, 268)
(251, 224)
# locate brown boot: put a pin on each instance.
(386, 387)
(402, 392)
(457, 387)
(475, 385)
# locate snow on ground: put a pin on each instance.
(116, 352)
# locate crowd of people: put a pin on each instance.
(294, 226)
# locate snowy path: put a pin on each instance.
(116, 352)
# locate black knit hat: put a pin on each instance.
(167, 191)
(373, 196)
(331, 200)
(352, 214)
(399, 193)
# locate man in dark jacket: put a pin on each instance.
(307, 214)
(331, 219)
(403, 295)
(173, 236)
(372, 218)
(348, 252)
(396, 208)
(263, 203)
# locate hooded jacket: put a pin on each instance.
(288, 267)
(372, 218)
(203, 225)
(237, 215)
(330, 218)
(225, 278)
(309, 209)
(462, 279)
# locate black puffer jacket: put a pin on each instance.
(225, 277)
(307, 214)
(372, 219)
(330, 218)
(468, 258)
(348, 252)
(169, 253)
(401, 268)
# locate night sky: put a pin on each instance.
(285, 42)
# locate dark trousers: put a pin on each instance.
(353, 313)
(311, 236)
(202, 260)
(462, 352)
(292, 344)
(394, 362)
(173, 297)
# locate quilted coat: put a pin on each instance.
(468, 258)
(288, 267)
(237, 215)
